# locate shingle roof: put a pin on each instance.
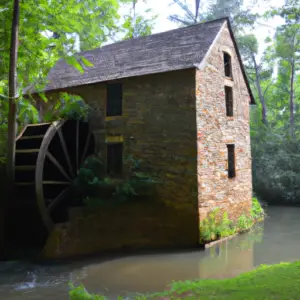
(176, 49)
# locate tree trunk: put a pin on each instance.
(10, 171)
(260, 94)
(292, 105)
(197, 4)
(134, 35)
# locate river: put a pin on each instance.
(275, 240)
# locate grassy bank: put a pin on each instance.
(281, 281)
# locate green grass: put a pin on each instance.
(280, 282)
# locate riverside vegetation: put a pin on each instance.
(266, 282)
(217, 226)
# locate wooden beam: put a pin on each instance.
(57, 164)
(86, 146)
(25, 168)
(56, 200)
(29, 137)
(56, 182)
(65, 149)
(77, 146)
(39, 124)
(25, 183)
(27, 150)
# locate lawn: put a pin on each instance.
(281, 281)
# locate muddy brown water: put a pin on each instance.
(274, 241)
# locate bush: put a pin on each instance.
(215, 226)
(92, 187)
(275, 166)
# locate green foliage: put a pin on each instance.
(80, 293)
(135, 24)
(257, 211)
(69, 107)
(244, 223)
(92, 187)
(216, 226)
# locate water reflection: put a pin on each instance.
(274, 242)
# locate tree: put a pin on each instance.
(136, 25)
(12, 94)
(240, 17)
(257, 71)
(288, 52)
(190, 17)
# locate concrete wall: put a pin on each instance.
(215, 130)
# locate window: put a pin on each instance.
(227, 65)
(114, 159)
(229, 101)
(231, 161)
(114, 100)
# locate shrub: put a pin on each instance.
(92, 187)
(214, 226)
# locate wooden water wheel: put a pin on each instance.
(48, 157)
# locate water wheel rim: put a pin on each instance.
(39, 188)
(69, 174)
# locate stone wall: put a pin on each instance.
(158, 125)
(124, 227)
(215, 130)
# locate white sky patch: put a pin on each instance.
(164, 8)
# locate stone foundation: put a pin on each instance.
(128, 226)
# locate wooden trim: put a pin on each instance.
(114, 139)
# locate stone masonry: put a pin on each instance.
(176, 123)
(158, 126)
(215, 130)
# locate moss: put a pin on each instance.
(281, 281)
(217, 226)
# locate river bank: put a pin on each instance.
(270, 242)
(281, 281)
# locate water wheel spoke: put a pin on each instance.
(65, 149)
(56, 200)
(48, 171)
(86, 146)
(77, 145)
(57, 164)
